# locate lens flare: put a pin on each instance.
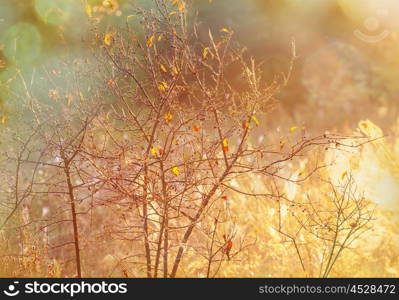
(54, 12)
(372, 167)
(21, 43)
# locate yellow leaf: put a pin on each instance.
(172, 13)
(225, 145)
(205, 52)
(293, 129)
(89, 10)
(163, 86)
(343, 175)
(153, 151)
(224, 30)
(163, 68)
(150, 41)
(168, 117)
(108, 39)
(175, 2)
(176, 171)
(255, 119)
(160, 37)
(175, 70)
(129, 17)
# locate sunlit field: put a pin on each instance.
(209, 138)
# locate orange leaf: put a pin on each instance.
(3, 119)
(182, 7)
(111, 83)
(229, 245)
(225, 145)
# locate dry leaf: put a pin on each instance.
(111, 83)
(168, 117)
(163, 86)
(225, 145)
(153, 151)
(205, 52)
(176, 171)
(163, 68)
(255, 119)
(150, 41)
(108, 39)
(282, 144)
(111, 4)
(182, 7)
(4, 119)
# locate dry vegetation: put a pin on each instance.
(178, 175)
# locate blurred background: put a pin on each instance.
(347, 67)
